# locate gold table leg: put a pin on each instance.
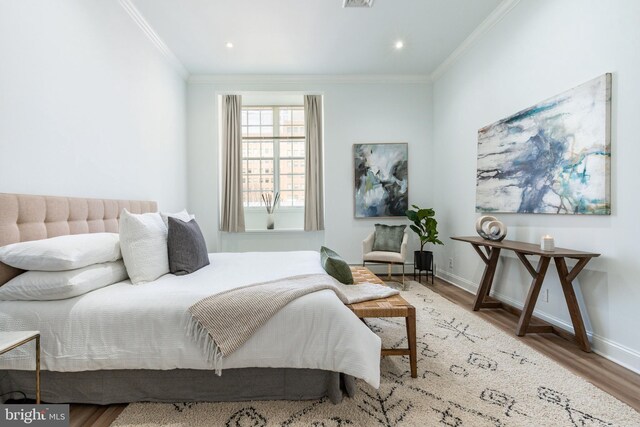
(38, 370)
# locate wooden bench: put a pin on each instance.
(394, 306)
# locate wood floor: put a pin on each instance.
(614, 379)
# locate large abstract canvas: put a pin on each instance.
(381, 180)
(551, 158)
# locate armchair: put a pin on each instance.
(381, 257)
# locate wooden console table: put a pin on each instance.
(490, 257)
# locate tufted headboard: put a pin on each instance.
(26, 217)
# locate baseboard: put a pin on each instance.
(611, 350)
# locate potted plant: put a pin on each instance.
(426, 227)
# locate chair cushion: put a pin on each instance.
(380, 256)
(388, 238)
(335, 266)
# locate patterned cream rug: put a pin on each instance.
(469, 374)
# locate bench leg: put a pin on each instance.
(411, 338)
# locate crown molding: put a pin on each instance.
(494, 17)
(155, 39)
(307, 78)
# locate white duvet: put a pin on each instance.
(125, 326)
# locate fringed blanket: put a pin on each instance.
(221, 323)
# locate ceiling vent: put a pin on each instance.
(357, 3)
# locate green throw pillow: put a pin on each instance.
(335, 266)
(388, 238)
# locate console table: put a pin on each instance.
(489, 252)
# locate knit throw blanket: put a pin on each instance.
(221, 323)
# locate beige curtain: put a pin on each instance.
(314, 193)
(232, 209)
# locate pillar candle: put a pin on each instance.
(547, 243)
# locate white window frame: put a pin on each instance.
(276, 138)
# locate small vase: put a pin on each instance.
(270, 221)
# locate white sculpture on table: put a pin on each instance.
(488, 227)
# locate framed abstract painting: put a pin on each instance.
(381, 179)
(551, 158)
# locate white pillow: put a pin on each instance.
(53, 285)
(143, 241)
(183, 215)
(63, 252)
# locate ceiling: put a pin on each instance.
(313, 36)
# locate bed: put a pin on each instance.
(125, 343)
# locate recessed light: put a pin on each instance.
(357, 3)
(229, 45)
(399, 44)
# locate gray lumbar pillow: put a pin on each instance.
(388, 238)
(186, 246)
(335, 266)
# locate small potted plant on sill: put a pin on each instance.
(270, 203)
(426, 227)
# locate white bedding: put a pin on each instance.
(143, 327)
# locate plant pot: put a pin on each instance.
(423, 260)
(270, 221)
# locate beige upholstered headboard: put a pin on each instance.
(26, 217)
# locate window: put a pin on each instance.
(273, 157)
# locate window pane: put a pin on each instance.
(244, 117)
(244, 166)
(298, 148)
(244, 131)
(286, 166)
(253, 166)
(266, 131)
(267, 183)
(298, 166)
(253, 149)
(298, 198)
(254, 131)
(286, 198)
(254, 182)
(298, 182)
(298, 117)
(297, 131)
(266, 117)
(285, 131)
(286, 182)
(266, 167)
(285, 149)
(253, 198)
(244, 149)
(267, 149)
(285, 117)
(254, 117)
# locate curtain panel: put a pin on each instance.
(314, 191)
(232, 208)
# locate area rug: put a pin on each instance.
(470, 373)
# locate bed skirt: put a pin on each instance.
(178, 385)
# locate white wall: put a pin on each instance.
(88, 106)
(354, 111)
(542, 48)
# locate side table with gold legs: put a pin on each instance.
(15, 339)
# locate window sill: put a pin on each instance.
(257, 209)
(277, 231)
